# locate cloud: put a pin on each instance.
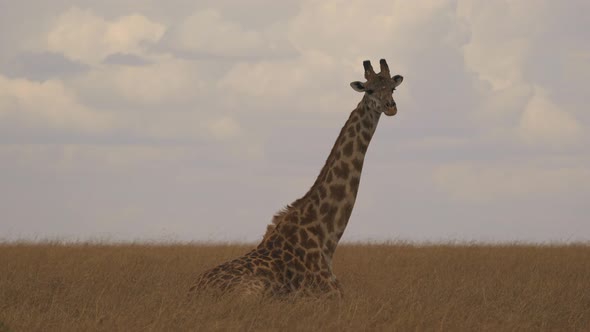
(543, 122)
(81, 35)
(125, 60)
(41, 66)
(498, 181)
(421, 40)
(164, 80)
(206, 33)
(224, 127)
(498, 52)
(59, 110)
(49, 104)
(265, 79)
(496, 55)
(166, 100)
(313, 82)
(64, 158)
(381, 28)
(527, 97)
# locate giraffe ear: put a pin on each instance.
(358, 86)
(397, 79)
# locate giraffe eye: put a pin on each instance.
(369, 92)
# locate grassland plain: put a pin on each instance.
(393, 287)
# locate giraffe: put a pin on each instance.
(295, 254)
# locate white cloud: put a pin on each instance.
(117, 157)
(313, 82)
(497, 181)
(578, 64)
(500, 40)
(412, 37)
(498, 63)
(67, 157)
(47, 104)
(543, 122)
(208, 33)
(164, 81)
(379, 28)
(81, 35)
(166, 99)
(331, 45)
(125, 93)
(504, 46)
(223, 128)
(265, 79)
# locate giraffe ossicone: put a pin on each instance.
(295, 254)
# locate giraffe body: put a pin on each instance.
(295, 255)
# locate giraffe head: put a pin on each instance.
(379, 87)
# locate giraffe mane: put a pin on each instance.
(278, 217)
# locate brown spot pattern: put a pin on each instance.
(337, 191)
(362, 146)
(351, 132)
(310, 216)
(348, 148)
(346, 211)
(325, 208)
(318, 231)
(329, 177)
(354, 183)
(357, 164)
(342, 171)
(323, 192)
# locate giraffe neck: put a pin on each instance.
(338, 183)
(316, 221)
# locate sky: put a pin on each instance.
(183, 120)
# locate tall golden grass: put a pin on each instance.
(138, 287)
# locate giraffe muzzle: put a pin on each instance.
(390, 109)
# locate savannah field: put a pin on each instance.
(391, 287)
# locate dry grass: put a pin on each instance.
(387, 287)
